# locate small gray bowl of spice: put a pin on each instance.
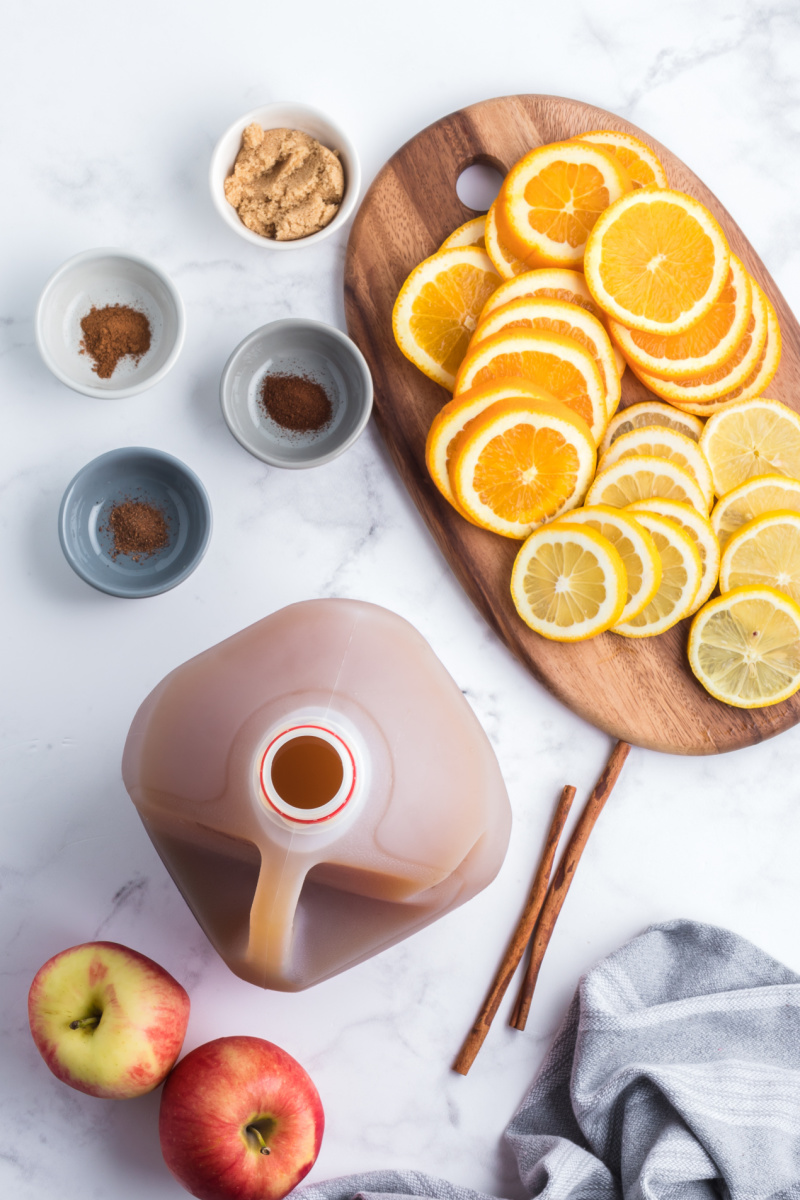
(109, 324)
(134, 522)
(296, 393)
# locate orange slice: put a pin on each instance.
(438, 307)
(557, 316)
(755, 384)
(456, 416)
(651, 412)
(657, 442)
(701, 389)
(552, 283)
(656, 260)
(520, 463)
(705, 347)
(471, 233)
(558, 364)
(638, 159)
(507, 265)
(551, 199)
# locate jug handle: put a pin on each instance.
(272, 913)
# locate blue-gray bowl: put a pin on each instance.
(139, 474)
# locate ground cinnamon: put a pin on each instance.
(113, 333)
(139, 529)
(296, 403)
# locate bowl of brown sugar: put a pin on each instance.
(109, 324)
(134, 522)
(284, 176)
(296, 393)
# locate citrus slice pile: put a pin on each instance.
(588, 262)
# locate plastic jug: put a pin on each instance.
(318, 788)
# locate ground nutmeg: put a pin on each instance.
(296, 403)
(112, 333)
(139, 529)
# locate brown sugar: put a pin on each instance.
(113, 333)
(296, 403)
(139, 529)
(285, 184)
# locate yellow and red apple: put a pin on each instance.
(107, 1020)
(240, 1120)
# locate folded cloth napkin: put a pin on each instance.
(675, 1076)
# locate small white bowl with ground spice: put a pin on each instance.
(296, 393)
(109, 324)
(134, 522)
(284, 176)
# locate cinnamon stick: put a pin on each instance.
(557, 892)
(519, 941)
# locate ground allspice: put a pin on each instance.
(139, 529)
(296, 403)
(113, 333)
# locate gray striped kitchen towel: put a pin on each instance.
(675, 1076)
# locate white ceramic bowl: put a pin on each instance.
(97, 278)
(284, 116)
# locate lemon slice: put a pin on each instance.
(558, 316)
(762, 494)
(744, 647)
(521, 462)
(658, 442)
(700, 531)
(635, 547)
(456, 416)
(558, 364)
(641, 478)
(568, 582)
(438, 307)
(681, 573)
(471, 233)
(651, 412)
(751, 437)
(765, 551)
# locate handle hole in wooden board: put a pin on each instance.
(477, 186)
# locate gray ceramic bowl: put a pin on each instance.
(296, 347)
(100, 277)
(135, 473)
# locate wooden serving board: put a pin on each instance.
(639, 690)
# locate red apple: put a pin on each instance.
(107, 1020)
(240, 1120)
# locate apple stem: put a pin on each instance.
(257, 1135)
(85, 1023)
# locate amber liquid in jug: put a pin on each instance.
(318, 788)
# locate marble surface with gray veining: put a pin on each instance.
(108, 119)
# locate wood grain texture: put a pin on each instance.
(639, 691)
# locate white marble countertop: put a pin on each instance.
(109, 115)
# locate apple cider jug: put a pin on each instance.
(318, 788)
